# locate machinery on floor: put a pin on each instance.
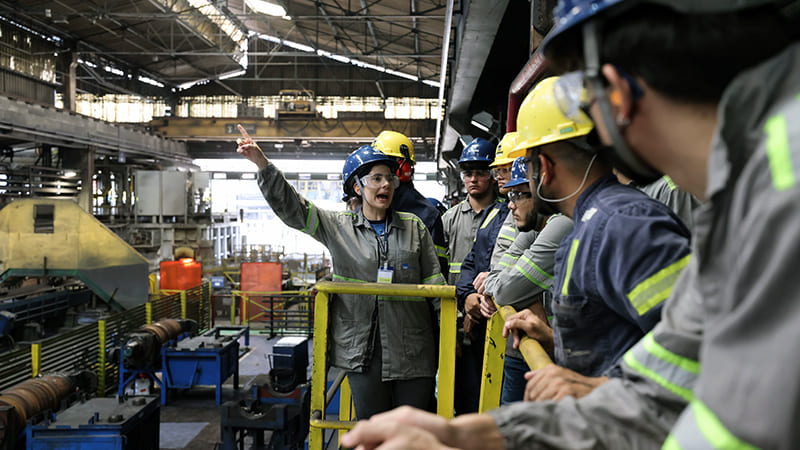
(280, 407)
(35, 400)
(184, 360)
(100, 423)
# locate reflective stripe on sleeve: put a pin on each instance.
(656, 288)
(309, 218)
(573, 250)
(670, 183)
(441, 252)
(455, 267)
(508, 233)
(435, 279)
(534, 273)
(671, 371)
(699, 428)
(780, 159)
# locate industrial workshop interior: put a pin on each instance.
(250, 224)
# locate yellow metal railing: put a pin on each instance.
(494, 355)
(247, 303)
(319, 370)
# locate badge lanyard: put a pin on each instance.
(385, 272)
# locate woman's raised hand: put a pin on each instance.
(248, 148)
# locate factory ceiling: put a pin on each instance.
(350, 48)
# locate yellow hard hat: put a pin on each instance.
(540, 120)
(506, 146)
(395, 144)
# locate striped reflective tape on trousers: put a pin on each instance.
(455, 267)
(699, 428)
(671, 371)
(656, 288)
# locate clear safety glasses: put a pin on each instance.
(377, 180)
(516, 196)
(574, 93)
(501, 172)
(481, 173)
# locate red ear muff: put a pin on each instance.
(405, 171)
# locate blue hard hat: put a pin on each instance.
(479, 150)
(519, 173)
(365, 155)
(569, 13)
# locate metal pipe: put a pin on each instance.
(531, 72)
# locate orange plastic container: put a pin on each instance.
(181, 275)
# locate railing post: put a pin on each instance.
(494, 352)
(36, 359)
(210, 307)
(101, 357)
(245, 301)
(447, 358)
(233, 307)
(148, 313)
(319, 369)
(183, 304)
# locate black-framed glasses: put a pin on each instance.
(515, 196)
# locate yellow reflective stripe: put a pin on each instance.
(441, 251)
(308, 220)
(492, 215)
(531, 278)
(455, 267)
(671, 371)
(433, 277)
(505, 264)
(536, 267)
(656, 288)
(354, 280)
(670, 183)
(780, 160)
(573, 250)
(698, 428)
(507, 237)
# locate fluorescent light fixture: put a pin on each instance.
(235, 73)
(265, 7)
(70, 174)
(483, 121)
(248, 176)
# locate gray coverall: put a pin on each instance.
(461, 224)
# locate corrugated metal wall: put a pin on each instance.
(27, 65)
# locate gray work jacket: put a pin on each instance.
(461, 224)
(406, 323)
(725, 343)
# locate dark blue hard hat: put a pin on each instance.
(519, 173)
(479, 150)
(364, 156)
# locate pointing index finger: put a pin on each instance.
(244, 132)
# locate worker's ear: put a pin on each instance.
(619, 95)
(357, 189)
(546, 169)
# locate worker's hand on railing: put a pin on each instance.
(480, 282)
(248, 148)
(533, 326)
(472, 306)
(487, 306)
(553, 382)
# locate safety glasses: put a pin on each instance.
(480, 173)
(377, 180)
(575, 95)
(501, 172)
(516, 196)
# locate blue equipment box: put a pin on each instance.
(101, 423)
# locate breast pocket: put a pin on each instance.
(581, 333)
(407, 268)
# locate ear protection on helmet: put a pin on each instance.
(405, 171)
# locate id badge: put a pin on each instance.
(385, 275)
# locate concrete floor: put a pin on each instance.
(191, 419)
